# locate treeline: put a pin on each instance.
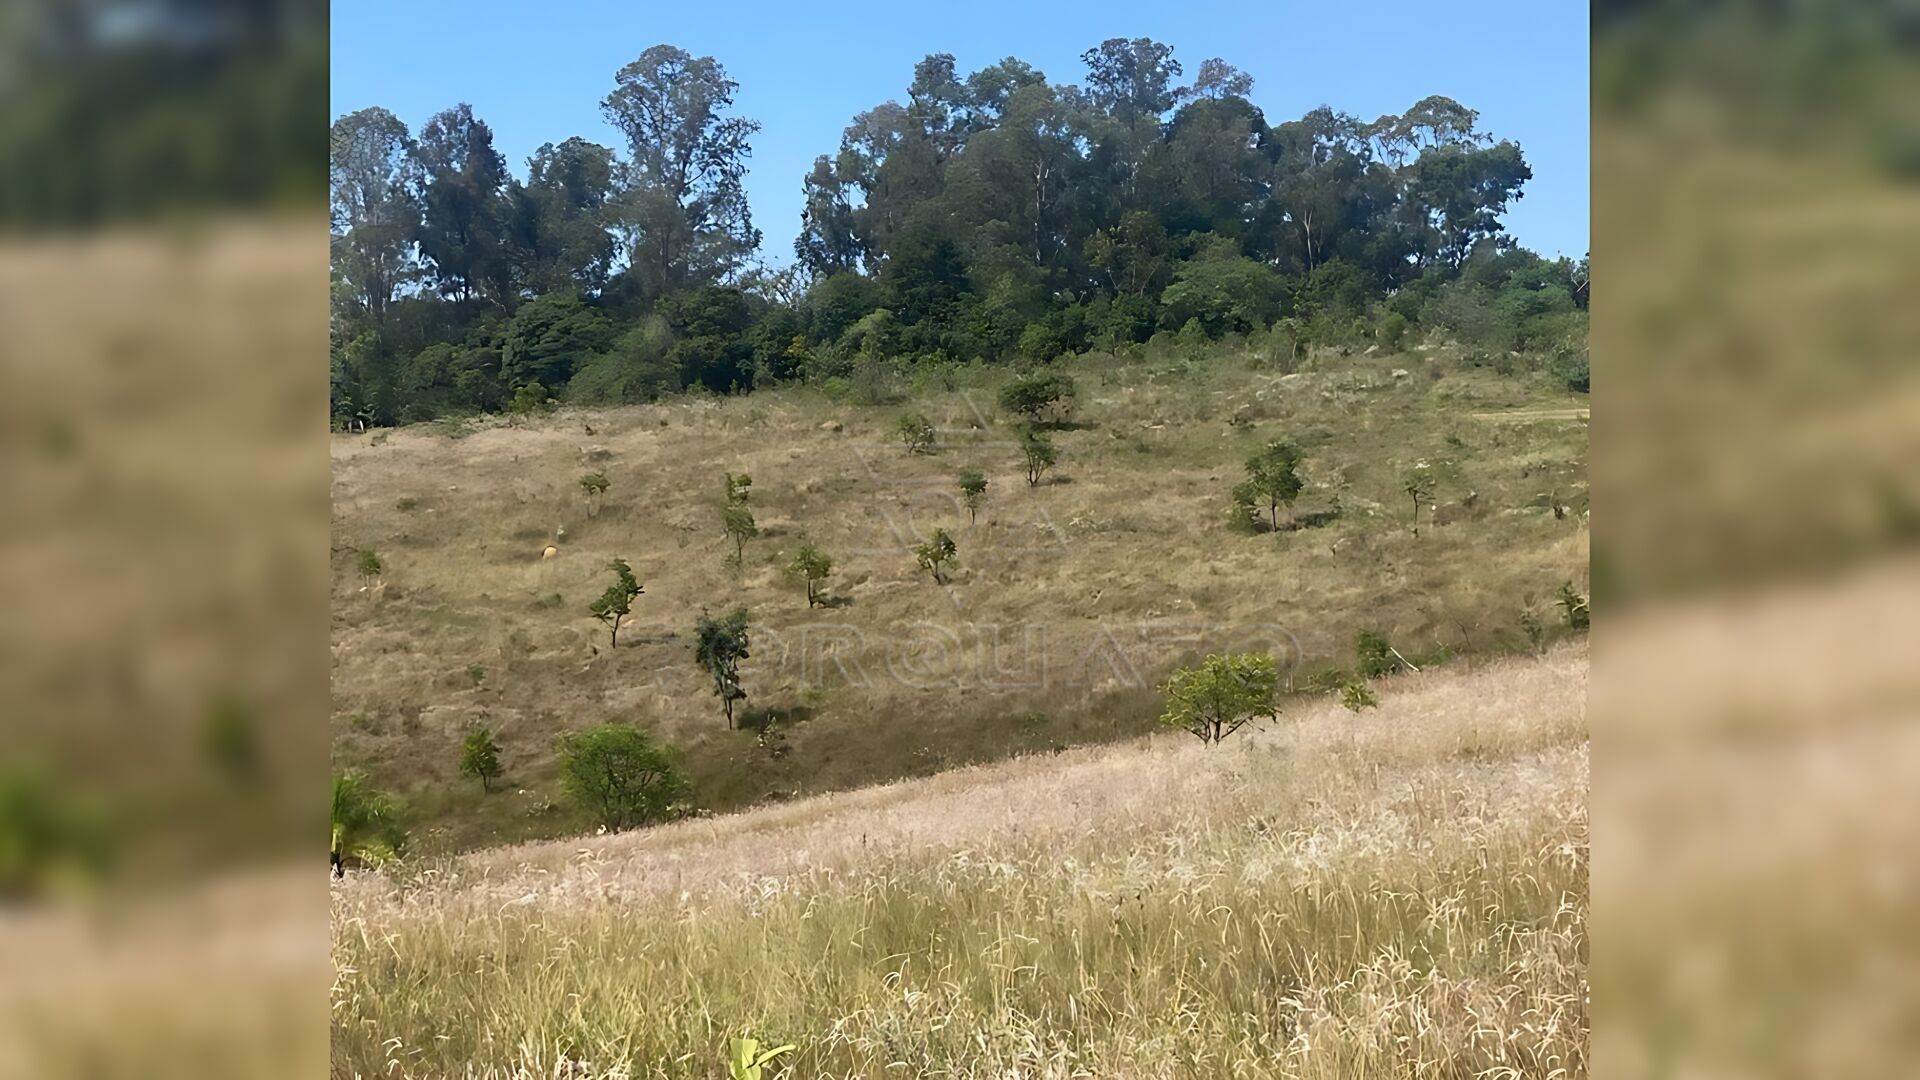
(995, 216)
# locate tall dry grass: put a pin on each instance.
(1397, 893)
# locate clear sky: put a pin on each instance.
(537, 72)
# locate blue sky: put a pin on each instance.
(537, 72)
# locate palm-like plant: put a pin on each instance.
(366, 822)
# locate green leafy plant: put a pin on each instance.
(1418, 484)
(916, 433)
(1273, 478)
(1039, 397)
(368, 564)
(1376, 655)
(1039, 453)
(1220, 695)
(938, 552)
(973, 486)
(617, 602)
(745, 1059)
(365, 821)
(620, 776)
(737, 520)
(480, 757)
(811, 565)
(1357, 695)
(719, 646)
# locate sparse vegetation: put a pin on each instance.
(1040, 455)
(619, 776)
(719, 646)
(916, 433)
(937, 553)
(1418, 484)
(368, 563)
(973, 487)
(812, 566)
(1221, 695)
(617, 602)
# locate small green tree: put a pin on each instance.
(369, 564)
(1039, 453)
(812, 566)
(1573, 606)
(916, 433)
(365, 822)
(1357, 695)
(1376, 655)
(593, 485)
(617, 602)
(738, 521)
(1273, 478)
(738, 488)
(528, 399)
(1419, 487)
(480, 757)
(1038, 397)
(939, 551)
(1220, 695)
(619, 776)
(719, 646)
(972, 487)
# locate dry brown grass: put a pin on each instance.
(1401, 893)
(1071, 600)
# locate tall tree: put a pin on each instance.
(460, 180)
(683, 209)
(558, 230)
(827, 243)
(374, 214)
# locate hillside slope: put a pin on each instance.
(1398, 892)
(1071, 600)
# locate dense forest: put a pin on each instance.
(996, 216)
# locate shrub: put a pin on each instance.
(1039, 453)
(1391, 330)
(528, 399)
(1273, 478)
(1376, 655)
(368, 563)
(916, 433)
(719, 646)
(1218, 697)
(812, 565)
(480, 757)
(619, 776)
(1039, 397)
(617, 602)
(939, 551)
(1357, 695)
(365, 822)
(1573, 606)
(973, 486)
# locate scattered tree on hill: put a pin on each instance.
(620, 776)
(916, 433)
(617, 602)
(737, 520)
(939, 551)
(719, 646)
(365, 822)
(593, 485)
(1038, 397)
(1419, 487)
(812, 566)
(1220, 695)
(1573, 606)
(480, 757)
(1273, 477)
(972, 487)
(1376, 655)
(369, 564)
(1039, 453)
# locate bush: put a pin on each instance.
(1222, 694)
(1039, 397)
(480, 757)
(916, 433)
(1357, 695)
(619, 776)
(1376, 655)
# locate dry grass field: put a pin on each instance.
(1399, 893)
(1070, 603)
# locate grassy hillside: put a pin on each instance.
(1070, 603)
(1399, 893)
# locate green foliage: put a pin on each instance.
(746, 1061)
(1418, 484)
(528, 399)
(738, 487)
(1273, 478)
(1391, 331)
(812, 566)
(620, 777)
(973, 487)
(1376, 655)
(480, 757)
(51, 839)
(736, 519)
(366, 822)
(1220, 695)
(719, 646)
(617, 602)
(1040, 455)
(1573, 606)
(1219, 291)
(1357, 695)
(1039, 397)
(549, 336)
(368, 563)
(916, 433)
(938, 552)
